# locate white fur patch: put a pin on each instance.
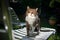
(30, 18)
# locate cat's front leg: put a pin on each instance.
(27, 28)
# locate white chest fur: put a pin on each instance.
(31, 19)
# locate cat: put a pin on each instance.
(32, 21)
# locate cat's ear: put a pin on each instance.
(27, 7)
(36, 9)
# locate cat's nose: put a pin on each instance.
(31, 12)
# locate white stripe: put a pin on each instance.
(20, 32)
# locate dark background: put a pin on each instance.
(45, 11)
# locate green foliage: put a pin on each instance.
(54, 37)
(51, 37)
(52, 2)
(16, 26)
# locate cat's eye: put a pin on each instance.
(28, 11)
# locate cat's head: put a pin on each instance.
(32, 10)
